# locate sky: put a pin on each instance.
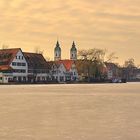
(107, 24)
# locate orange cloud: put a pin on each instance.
(114, 25)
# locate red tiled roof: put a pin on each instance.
(6, 58)
(7, 55)
(3, 68)
(67, 63)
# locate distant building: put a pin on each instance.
(38, 69)
(138, 74)
(13, 65)
(73, 52)
(57, 72)
(57, 52)
(17, 66)
(25, 67)
(64, 70)
(113, 71)
(71, 70)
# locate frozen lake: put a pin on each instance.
(70, 112)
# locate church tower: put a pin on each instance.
(57, 52)
(73, 52)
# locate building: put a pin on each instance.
(113, 71)
(57, 71)
(38, 68)
(73, 52)
(25, 67)
(57, 52)
(13, 66)
(64, 70)
(71, 73)
(17, 66)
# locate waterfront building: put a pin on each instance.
(13, 65)
(113, 71)
(25, 67)
(17, 66)
(67, 66)
(38, 69)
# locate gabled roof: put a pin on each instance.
(36, 61)
(7, 55)
(51, 64)
(110, 65)
(67, 63)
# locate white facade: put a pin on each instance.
(109, 74)
(138, 76)
(61, 74)
(4, 77)
(74, 73)
(42, 77)
(57, 55)
(20, 67)
(73, 55)
(58, 72)
(73, 52)
(57, 52)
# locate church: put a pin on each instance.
(64, 70)
(17, 66)
(57, 52)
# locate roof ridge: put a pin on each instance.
(10, 49)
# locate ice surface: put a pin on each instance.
(70, 112)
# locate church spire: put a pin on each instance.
(73, 52)
(57, 52)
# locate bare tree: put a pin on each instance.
(38, 51)
(92, 62)
(92, 54)
(4, 46)
(129, 63)
(130, 67)
(111, 57)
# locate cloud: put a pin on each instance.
(114, 25)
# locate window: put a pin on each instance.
(19, 64)
(23, 71)
(22, 57)
(13, 63)
(19, 71)
(23, 64)
(19, 57)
